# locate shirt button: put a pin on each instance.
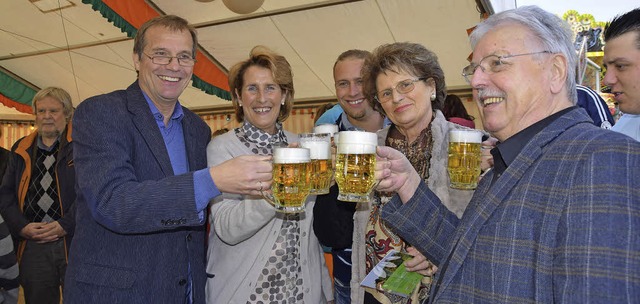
(182, 282)
(189, 237)
(306, 290)
(304, 234)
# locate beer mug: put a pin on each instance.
(291, 179)
(326, 128)
(319, 145)
(355, 165)
(464, 158)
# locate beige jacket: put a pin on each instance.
(243, 231)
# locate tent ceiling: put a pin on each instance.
(79, 50)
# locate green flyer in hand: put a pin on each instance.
(390, 275)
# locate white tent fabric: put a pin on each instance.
(77, 49)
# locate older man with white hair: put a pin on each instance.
(557, 218)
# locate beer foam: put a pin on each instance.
(356, 149)
(291, 155)
(466, 136)
(326, 128)
(319, 149)
(357, 142)
(358, 137)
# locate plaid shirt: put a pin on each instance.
(560, 225)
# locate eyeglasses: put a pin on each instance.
(403, 87)
(183, 60)
(492, 64)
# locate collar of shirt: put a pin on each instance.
(44, 147)
(506, 152)
(176, 116)
(173, 136)
(345, 125)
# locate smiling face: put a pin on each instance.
(164, 83)
(261, 98)
(348, 83)
(622, 61)
(410, 112)
(526, 88)
(50, 118)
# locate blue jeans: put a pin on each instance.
(342, 275)
(342, 292)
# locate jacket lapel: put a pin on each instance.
(148, 128)
(190, 140)
(487, 199)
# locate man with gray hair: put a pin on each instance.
(557, 218)
(37, 197)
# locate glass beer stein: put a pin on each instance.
(291, 179)
(355, 165)
(319, 145)
(464, 158)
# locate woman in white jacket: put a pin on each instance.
(256, 254)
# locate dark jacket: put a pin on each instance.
(5, 156)
(8, 263)
(333, 218)
(16, 180)
(138, 229)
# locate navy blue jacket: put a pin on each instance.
(138, 231)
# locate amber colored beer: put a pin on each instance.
(321, 175)
(290, 186)
(355, 165)
(355, 176)
(319, 145)
(291, 179)
(464, 158)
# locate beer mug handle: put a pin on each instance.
(268, 197)
(375, 184)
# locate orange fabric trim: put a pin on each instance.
(209, 72)
(21, 150)
(26, 174)
(137, 12)
(18, 106)
(69, 130)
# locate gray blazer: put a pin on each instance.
(137, 229)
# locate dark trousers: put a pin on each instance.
(42, 269)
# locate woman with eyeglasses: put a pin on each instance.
(256, 255)
(405, 82)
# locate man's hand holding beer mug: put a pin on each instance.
(395, 173)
